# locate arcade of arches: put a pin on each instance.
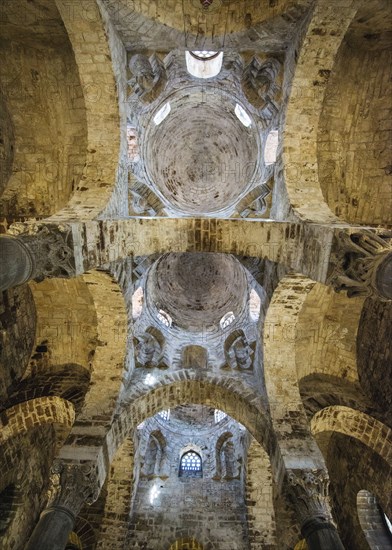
(196, 275)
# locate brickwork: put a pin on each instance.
(30, 479)
(258, 309)
(31, 414)
(354, 135)
(18, 324)
(327, 333)
(315, 62)
(259, 499)
(155, 522)
(374, 362)
(349, 464)
(43, 92)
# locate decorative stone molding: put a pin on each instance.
(362, 264)
(72, 485)
(148, 350)
(148, 77)
(255, 202)
(308, 491)
(261, 86)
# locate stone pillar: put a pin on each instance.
(362, 264)
(308, 492)
(16, 265)
(71, 486)
(47, 251)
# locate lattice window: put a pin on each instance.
(164, 318)
(165, 414)
(227, 319)
(219, 415)
(190, 465)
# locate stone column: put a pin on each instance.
(47, 251)
(71, 486)
(16, 262)
(362, 264)
(308, 492)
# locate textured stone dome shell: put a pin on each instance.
(197, 290)
(201, 159)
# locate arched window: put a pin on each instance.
(137, 302)
(227, 319)
(164, 318)
(190, 465)
(165, 414)
(133, 147)
(271, 147)
(219, 415)
(375, 524)
(242, 116)
(254, 305)
(204, 64)
(162, 114)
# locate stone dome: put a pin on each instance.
(197, 290)
(200, 158)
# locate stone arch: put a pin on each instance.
(287, 411)
(173, 389)
(353, 158)
(369, 431)
(41, 92)
(324, 35)
(70, 382)
(83, 321)
(103, 86)
(31, 414)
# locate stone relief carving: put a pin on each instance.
(51, 249)
(362, 264)
(71, 485)
(261, 87)
(308, 490)
(148, 76)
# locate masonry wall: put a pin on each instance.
(210, 509)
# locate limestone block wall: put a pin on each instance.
(17, 325)
(43, 95)
(211, 508)
(355, 134)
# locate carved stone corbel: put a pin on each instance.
(308, 491)
(72, 485)
(43, 251)
(362, 264)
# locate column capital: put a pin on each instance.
(71, 485)
(308, 490)
(50, 247)
(362, 264)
